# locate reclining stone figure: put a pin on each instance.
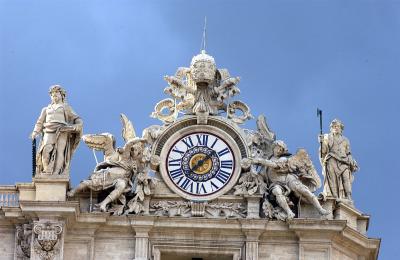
(120, 166)
(291, 174)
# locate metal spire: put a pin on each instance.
(203, 40)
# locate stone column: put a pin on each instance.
(252, 250)
(142, 225)
(142, 243)
(252, 230)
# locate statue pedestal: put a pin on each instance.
(253, 206)
(51, 188)
(355, 219)
(26, 191)
(306, 210)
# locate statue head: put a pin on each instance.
(203, 68)
(279, 148)
(57, 93)
(336, 126)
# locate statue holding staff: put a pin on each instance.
(337, 162)
(61, 129)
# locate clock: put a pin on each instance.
(200, 162)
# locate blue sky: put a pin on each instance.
(292, 57)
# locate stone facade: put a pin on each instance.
(199, 186)
(96, 235)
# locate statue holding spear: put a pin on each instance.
(337, 161)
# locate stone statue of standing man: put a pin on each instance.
(337, 162)
(61, 129)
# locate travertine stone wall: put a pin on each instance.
(7, 241)
(288, 250)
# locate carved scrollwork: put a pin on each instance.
(239, 112)
(23, 241)
(165, 110)
(47, 235)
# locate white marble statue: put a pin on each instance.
(61, 129)
(291, 174)
(260, 143)
(337, 162)
(123, 169)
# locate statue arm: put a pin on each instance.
(265, 162)
(75, 123)
(38, 128)
(323, 149)
(78, 124)
(353, 164)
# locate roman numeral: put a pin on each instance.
(188, 141)
(178, 151)
(176, 173)
(223, 152)
(213, 186)
(186, 183)
(222, 176)
(215, 141)
(202, 140)
(176, 162)
(200, 188)
(227, 164)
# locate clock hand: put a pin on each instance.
(201, 162)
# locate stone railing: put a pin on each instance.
(8, 196)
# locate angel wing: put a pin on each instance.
(302, 164)
(128, 132)
(101, 142)
(263, 128)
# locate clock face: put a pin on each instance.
(200, 164)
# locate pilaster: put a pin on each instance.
(142, 228)
(252, 230)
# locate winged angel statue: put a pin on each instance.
(124, 170)
(277, 175)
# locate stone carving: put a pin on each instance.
(124, 169)
(239, 112)
(286, 175)
(23, 241)
(250, 183)
(198, 209)
(226, 210)
(46, 237)
(171, 208)
(61, 129)
(270, 172)
(201, 89)
(252, 180)
(165, 110)
(337, 163)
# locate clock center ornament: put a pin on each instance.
(200, 161)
